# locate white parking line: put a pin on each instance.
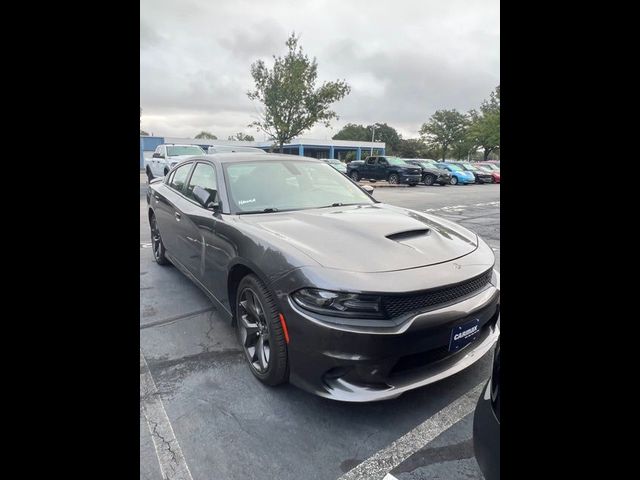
(461, 207)
(172, 463)
(377, 466)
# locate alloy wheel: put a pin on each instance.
(253, 328)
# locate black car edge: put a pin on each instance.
(317, 277)
(486, 423)
(431, 174)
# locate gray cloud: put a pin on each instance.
(404, 60)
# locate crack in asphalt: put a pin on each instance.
(169, 320)
(430, 455)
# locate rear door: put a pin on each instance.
(382, 167)
(369, 167)
(168, 208)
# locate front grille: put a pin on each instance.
(397, 305)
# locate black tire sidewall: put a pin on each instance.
(278, 370)
(431, 177)
(397, 179)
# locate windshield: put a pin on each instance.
(396, 161)
(457, 168)
(277, 185)
(428, 164)
(472, 168)
(333, 161)
(175, 150)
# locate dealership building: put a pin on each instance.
(307, 147)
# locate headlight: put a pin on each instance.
(339, 304)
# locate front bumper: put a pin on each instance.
(363, 364)
(410, 179)
(444, 178)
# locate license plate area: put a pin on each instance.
(462, 335)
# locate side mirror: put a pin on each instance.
(207, 198)
(368, 189)
(156, 155)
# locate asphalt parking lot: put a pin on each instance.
(204, 416)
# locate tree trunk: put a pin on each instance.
(281, 149)
(486, 154)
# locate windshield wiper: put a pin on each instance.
(340, 204)
(266, 210)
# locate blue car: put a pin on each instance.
(458, 174)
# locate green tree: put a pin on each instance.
(354, 132)
(291, 101)
(206, 135)
(484, 130)
(445, 128)
(413, 148)
(385, 133)
(241, 137)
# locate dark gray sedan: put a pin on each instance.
(344, 296)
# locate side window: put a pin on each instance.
(179, 177)
(383, 161)
(204, 176)
(157, 150)
(371, 160)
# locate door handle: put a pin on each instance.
(178, 216)
(155, 195)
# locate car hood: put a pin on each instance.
(180, 158)
(368, 238)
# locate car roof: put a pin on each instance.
(240, 157)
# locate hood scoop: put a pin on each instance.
(409, 234)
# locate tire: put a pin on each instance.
(429, 179)
(149, 175)
(454, 180)
(355, 176)
(166, 170)
(253, 325)
(157, 246)
(413, 184)
(394, 179)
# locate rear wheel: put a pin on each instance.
(429, 179)
(454, 180)
(260, 332)
(156, 243)
(149, 174)
(394, 179)
(355, 176)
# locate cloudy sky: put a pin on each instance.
(403, 59)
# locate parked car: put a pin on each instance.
(166, 156)
(480, 176)
(459, 176)
(495, 162)
(490, 168)
(337, 164)
(393, 169)
(341, 295)
(431, 173)
(486, 423)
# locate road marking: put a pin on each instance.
(376, 466)
(146, 245)
(461, 207)
(173, 465)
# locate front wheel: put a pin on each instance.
(454, 180)
(355, 176)
(429, 179)
(394, 179)
(260, 332)
(149, 175)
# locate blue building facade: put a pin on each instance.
(336, 149)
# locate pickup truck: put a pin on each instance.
(393, 169)
(166, 156)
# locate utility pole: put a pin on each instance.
(373, 132)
